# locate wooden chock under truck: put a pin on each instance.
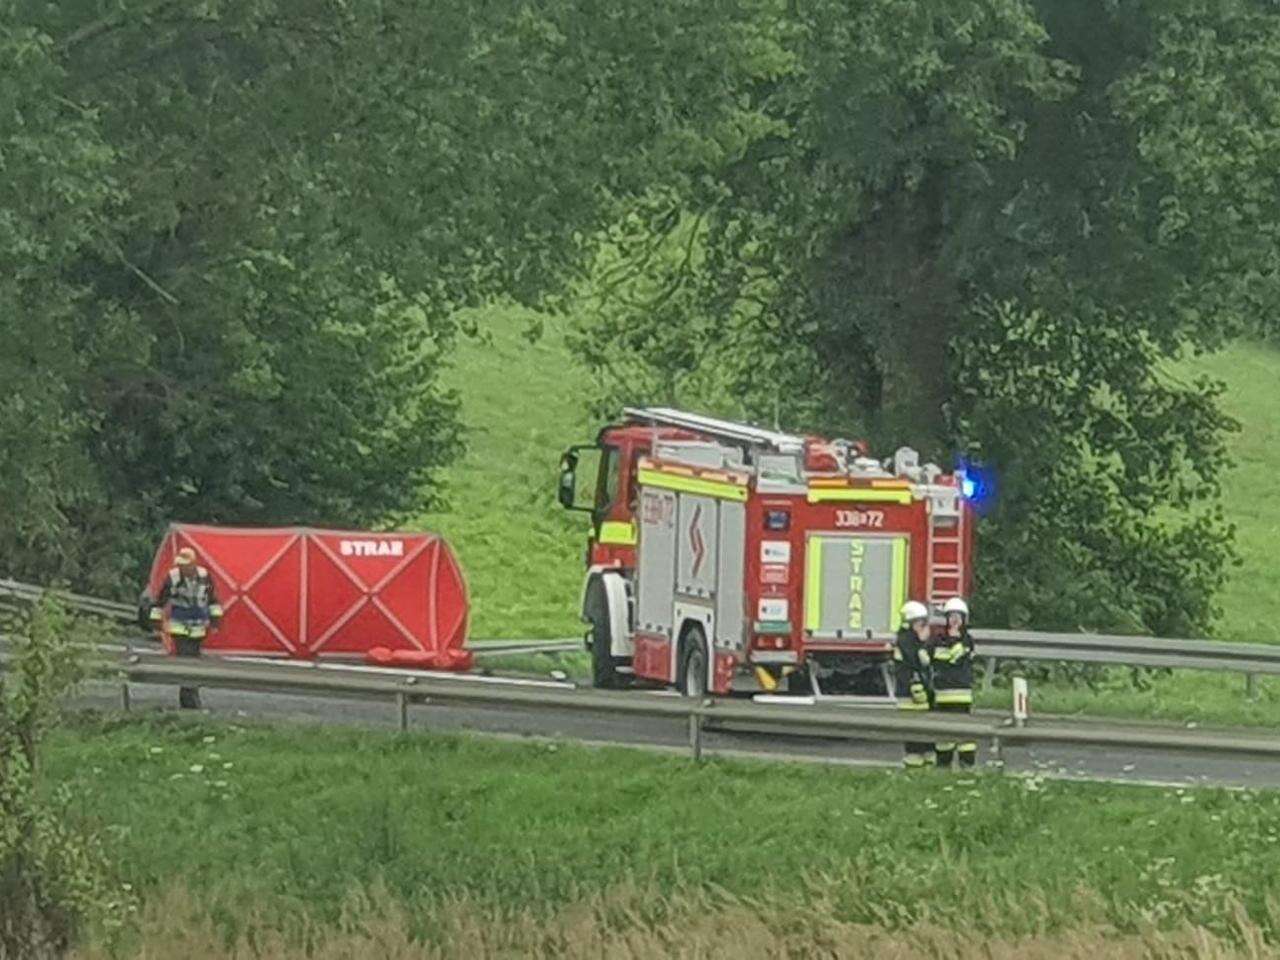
(724, 558)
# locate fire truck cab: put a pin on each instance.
(728, 558)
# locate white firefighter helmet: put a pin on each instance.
(914, 610)
(956, 605)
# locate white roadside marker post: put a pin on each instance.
(1020, 702)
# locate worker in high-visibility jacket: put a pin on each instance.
(951, 654)
(913, 675)
(194, 611)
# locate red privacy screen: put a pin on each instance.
(301, 592)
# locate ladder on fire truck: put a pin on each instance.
(946, 550)
(721, 429)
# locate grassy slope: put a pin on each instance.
(522, 404)
(318, 812)
(1251, 599)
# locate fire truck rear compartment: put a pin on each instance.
(854, 585)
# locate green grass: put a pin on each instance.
(1251, 599)
(288, 821)
(575, 664)
(1205, 699)
(523, 402)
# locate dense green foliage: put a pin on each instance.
(235, 234)
(537, 826)
(981, 228)
(52, 875)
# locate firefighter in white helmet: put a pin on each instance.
(913, 675)
(951, 655)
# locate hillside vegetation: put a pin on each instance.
(524, 400)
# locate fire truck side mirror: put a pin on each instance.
(567, 490)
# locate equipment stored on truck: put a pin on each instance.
(724, 557)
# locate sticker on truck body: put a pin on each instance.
(775, 551)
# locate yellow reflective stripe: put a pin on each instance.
(813, 584)
(908, 705)
(914, 760)
(944, 747)
(620, 533)
(968, 747)
(856, 494)
(156, 613)
(954, 696)
(215, 610)
(899, 584)
(179, 629)
(706, 488)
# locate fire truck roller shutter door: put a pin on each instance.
(853, 584)
(656, 564)
(731, 576)
(697, 539)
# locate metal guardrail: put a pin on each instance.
(404, 692)
(1250, 659)
(109, 609)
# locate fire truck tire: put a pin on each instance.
(604, 673)
(694, 671)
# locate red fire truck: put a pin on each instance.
(727, 558)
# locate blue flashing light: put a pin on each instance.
(978, 484)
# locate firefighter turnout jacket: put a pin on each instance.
(912, 671)
(951, 659)
(193, 603)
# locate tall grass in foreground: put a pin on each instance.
(641, 924)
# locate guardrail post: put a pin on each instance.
(695, 731)
(989, 674)
(1251, 686)
(402, 708)
(124, 696)
(997, 757)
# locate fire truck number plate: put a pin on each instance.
(860, 519)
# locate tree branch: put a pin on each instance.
(111, 21)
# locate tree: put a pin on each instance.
(986, 228)
(280, 208)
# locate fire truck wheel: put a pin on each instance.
(693, 677)
(604, 675)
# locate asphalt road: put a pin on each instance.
(1169, 768)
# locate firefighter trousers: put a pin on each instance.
(966, 752)
(916, 753)
(188, 697)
